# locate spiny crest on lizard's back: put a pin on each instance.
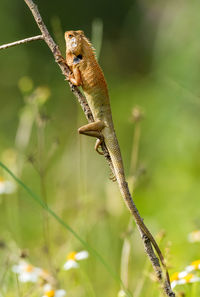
(88, 45)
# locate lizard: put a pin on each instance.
(87, 73)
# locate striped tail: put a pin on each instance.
(115, 154)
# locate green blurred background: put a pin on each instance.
(150, 57)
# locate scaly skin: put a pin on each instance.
(87, 73)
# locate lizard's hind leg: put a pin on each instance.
(94, 130)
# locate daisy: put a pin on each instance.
(189, 278)
(26, 272)
(73, 257)
(176, 278)
(178, 275)
(6, 187)
(195, 265)
(50, 292)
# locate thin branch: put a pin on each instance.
(83, 102)
(29, 39)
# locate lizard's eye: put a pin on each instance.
(70, 35)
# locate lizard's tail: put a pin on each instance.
(116, 158)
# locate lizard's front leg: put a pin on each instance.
(73, 63)
(94, 130)
(75, 77)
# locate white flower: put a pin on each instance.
(177, 282)
(186, 278)
(50, 292)
(70, 264)
(121, 294)
(195, 265)
(182, 274)
(73, 257)
(81, 255)
(6, 186)
(26, 272)
(194, 236)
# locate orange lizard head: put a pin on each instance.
(74, 41)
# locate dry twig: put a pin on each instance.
(29, 39)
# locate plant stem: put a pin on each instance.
(22, 41)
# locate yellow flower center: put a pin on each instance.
(195, 264)
(174, 276)
(28, 268)
(50, 293)
(2, 179)
(71, 256)
(188, 277)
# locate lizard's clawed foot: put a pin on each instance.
(112, 177)
(98, 143)
(60, 59)
(67, 78)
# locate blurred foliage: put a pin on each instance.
(150, 56)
